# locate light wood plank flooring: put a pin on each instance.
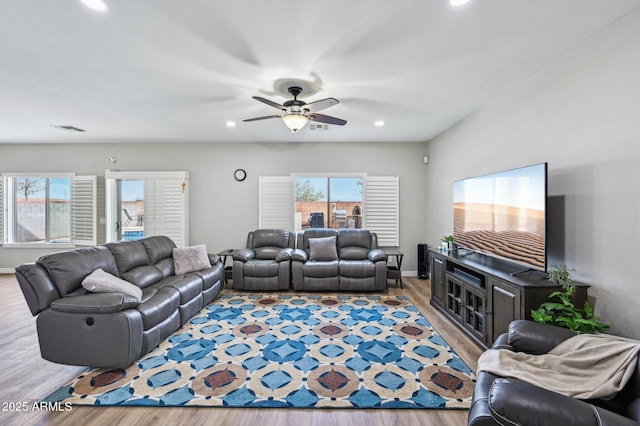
(26, 378)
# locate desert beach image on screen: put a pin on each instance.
(503, 215)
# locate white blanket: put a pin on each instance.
(585, 366)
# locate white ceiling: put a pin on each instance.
(177, 71)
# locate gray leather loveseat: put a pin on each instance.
(115, 328)
(344, 260)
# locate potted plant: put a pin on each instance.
(448, 241)
(562, 312)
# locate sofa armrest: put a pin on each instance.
(535, 338)
(300, 255)
(95, 303)
(213, 258)
(284, 255)
(502, 342)
(244, 255)
(377, 255)
(514, 402)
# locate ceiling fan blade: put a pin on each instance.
(321, 118)
(321, 104)
(270, 103)
(261, 118)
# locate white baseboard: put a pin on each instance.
(7, 271)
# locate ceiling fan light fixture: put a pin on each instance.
(294, 122)
(97, 5)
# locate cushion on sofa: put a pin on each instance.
(67, 269)
(323, 249)
(95, 303)
(158, 247)
(100, 281)
(128, 255)
(190, 259)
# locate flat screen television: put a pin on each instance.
(504, 215)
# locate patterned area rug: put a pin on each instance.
(290, 351)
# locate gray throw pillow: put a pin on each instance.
(100, 281)
(323, 249)
(190, 259)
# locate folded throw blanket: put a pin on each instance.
(585, 366)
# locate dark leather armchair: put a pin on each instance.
(344, 260)
(500, 401)
(265, 264)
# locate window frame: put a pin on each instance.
(380, 207)
(328, 177)
(86, 214)
(162, 189)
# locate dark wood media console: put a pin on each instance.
(480, 294)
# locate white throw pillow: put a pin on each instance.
(100, 281)
(190, 259)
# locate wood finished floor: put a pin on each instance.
(26, 378)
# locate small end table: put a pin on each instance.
(394, 271)
(228, 270)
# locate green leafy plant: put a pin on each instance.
(447, 238)
(563, 313)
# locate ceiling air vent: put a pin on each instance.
(318, 127)
(68, 128)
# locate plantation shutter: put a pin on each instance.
(165, 207)
(276, 204)
(2, 215)
(83, 210)
(382, 209)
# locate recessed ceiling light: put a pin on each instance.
(458, 3)
(97, 5)
(231, 123)
(379, 123)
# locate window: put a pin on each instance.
(300, 202)
(43, 209)
(328, 202)
(147, 203)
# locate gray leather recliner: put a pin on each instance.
(357, 265)
(265, 263)
(500, 401)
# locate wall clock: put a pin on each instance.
(240, 175)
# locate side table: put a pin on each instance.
(394, 270)
(228, 270)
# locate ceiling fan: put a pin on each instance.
(297, 113)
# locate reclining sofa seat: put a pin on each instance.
(358, 263)
(265, 263)
(78, 327)
(499, 401)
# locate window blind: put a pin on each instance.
(83, 210)
(165, 208)
(2, 215)
(382, 208)
(276, 204)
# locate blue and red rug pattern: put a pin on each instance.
(290, 351)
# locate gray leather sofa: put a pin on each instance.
(113, 329)
(500, 401)
(344, 260)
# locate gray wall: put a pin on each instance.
(580, 114)
(222, 210)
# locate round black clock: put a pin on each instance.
(240, 175)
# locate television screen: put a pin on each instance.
(503, 215)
